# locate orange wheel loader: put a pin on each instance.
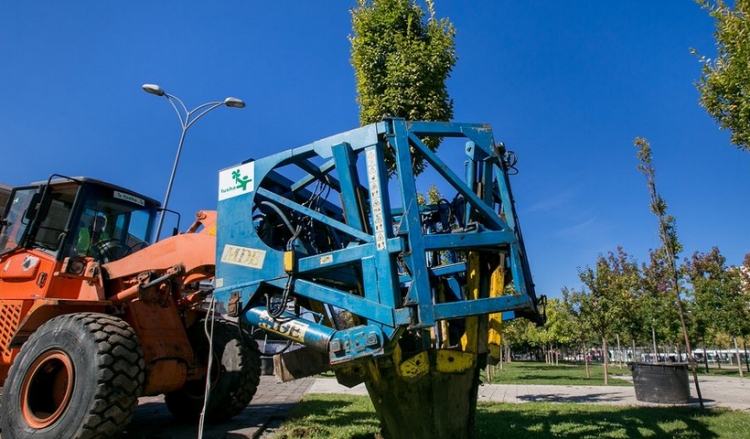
(93, 315)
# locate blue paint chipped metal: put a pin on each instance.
(326, 229)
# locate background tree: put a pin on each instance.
(581, 332)
(558, 328)
(607, 285)
(522, 336)
(659, 314)
(725, 81)
(699, 327)
(718, 296)
(556, 331)
(401, 62)
(744, 274)
(629, 319)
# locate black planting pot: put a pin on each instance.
(664, 383)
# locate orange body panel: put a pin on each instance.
(166, 348)
(196, 252)
(20, 267)
(31, 274)
(11, 313)
(28, 281)
(34, 289)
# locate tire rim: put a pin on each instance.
(47, 389)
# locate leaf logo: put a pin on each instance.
(241, 180)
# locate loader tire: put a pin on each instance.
(235, 375)
(78, 376)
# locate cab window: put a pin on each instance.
(14, 224)
(112, 227)
(52, 223)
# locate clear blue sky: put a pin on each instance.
(568, 85)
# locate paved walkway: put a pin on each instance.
(273, 400)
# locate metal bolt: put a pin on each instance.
(336, 346)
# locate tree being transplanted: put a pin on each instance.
(670, 243)
(725, 81)
(401, 62)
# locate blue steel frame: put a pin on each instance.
(359, 253)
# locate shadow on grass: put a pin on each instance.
(594, 398)
(591, 398)
(583, 422)
(349, 417)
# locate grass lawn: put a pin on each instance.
(353, 417)
(521, 372)
(725, 371)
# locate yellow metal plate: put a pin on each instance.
(454, 361)
(415, 366)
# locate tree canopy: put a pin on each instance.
(717, 293)
(401, 62)
(725, 81)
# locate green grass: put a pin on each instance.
(353, 417)
(330, 416)
(725, 371)
(565, 374)
(581, 421)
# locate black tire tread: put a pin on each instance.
(120, 371)
(244, 393)
(221, 405)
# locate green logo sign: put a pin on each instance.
(241, 180)
(236, 181)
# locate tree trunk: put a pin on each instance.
(632, 353)
(744, 347)
(557, 356)
(739, 362)
(605, 355)
(586, 361)
(656, 350)
(619, 352)
(705, 357)
(502, 350)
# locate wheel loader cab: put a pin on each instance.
(76, 218)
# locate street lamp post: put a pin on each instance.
(186, 122)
